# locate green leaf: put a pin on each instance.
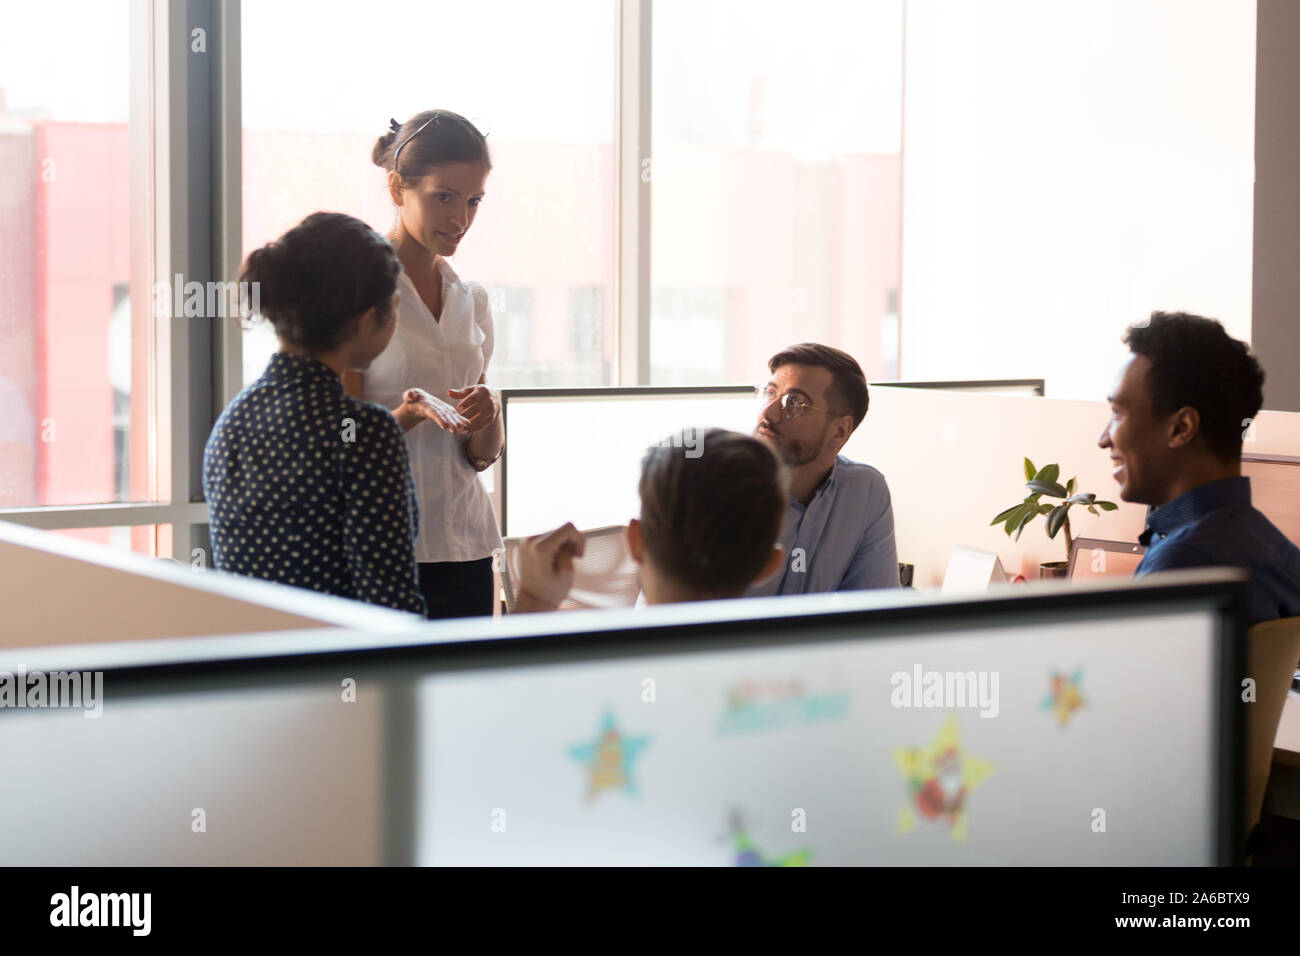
(1044, 509)
(1002, 516)
(1030, 470)
(1056, 519)
(1049, 473)
(1107, 505)
(1046, 488)
(1024, 521)
(1014, 519)
(1084, 499)
(1069, 487)
(1093, 509)
(1013, 515)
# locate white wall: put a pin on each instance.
(1070, 166)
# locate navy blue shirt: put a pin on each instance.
(1215, 525)
(309, 486)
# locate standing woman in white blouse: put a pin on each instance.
(433, 374)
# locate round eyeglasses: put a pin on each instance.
(789, 404)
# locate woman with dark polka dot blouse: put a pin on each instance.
(305, 484)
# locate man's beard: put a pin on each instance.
(795, 453)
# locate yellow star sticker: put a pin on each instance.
(1065, 696)
(939, 778)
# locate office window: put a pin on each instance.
(151, 541)
(512, 363)
(587, 315)
(1070, 167)
(540, 83)
(75, 362)
(776, 134)
(119, 376)
(690, 335)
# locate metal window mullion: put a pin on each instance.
(634, 179)
(169, 253)
(227, 169)
(184, 164)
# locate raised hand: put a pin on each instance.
(477, 404)
(424, 405)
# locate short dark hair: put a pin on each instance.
(320, 275)
(710, 521)
(848, 391)
(429, 139)
(1195, 363)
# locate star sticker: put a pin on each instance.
(747, 854)
(1065, 696)
(939, 779)
(609, 759)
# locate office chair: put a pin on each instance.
(605, 576)
(1272, 650)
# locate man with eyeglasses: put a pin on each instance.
(838, 533)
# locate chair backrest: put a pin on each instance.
(605, 576)
(1273, 648)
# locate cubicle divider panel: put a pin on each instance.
(1093, 724)
(63, 591)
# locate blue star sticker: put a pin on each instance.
(609, 758)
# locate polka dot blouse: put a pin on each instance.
(309, 486)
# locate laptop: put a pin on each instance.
(1096, 558)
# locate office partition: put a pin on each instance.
(1094, 724)
(1032, 387)
(953, 460)
(1275, 489)
(65, 591)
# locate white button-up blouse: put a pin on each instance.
(456, 519)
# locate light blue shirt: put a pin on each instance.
(843, 540)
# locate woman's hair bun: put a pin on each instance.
(261, 265)
(319, 276)
(381, 155)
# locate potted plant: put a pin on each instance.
(1044, 482)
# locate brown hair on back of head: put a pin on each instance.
(848, 391)
(710, 521)
(427, 140)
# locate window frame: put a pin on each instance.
(187, 104)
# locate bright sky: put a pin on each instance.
(67, 58)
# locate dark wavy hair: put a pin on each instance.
(319, 276)
(1195, 363)
(710, 521)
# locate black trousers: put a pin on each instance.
(457, 588)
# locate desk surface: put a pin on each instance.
(1286, 748)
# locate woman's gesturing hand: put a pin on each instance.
(477, 404)
(424, 405)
